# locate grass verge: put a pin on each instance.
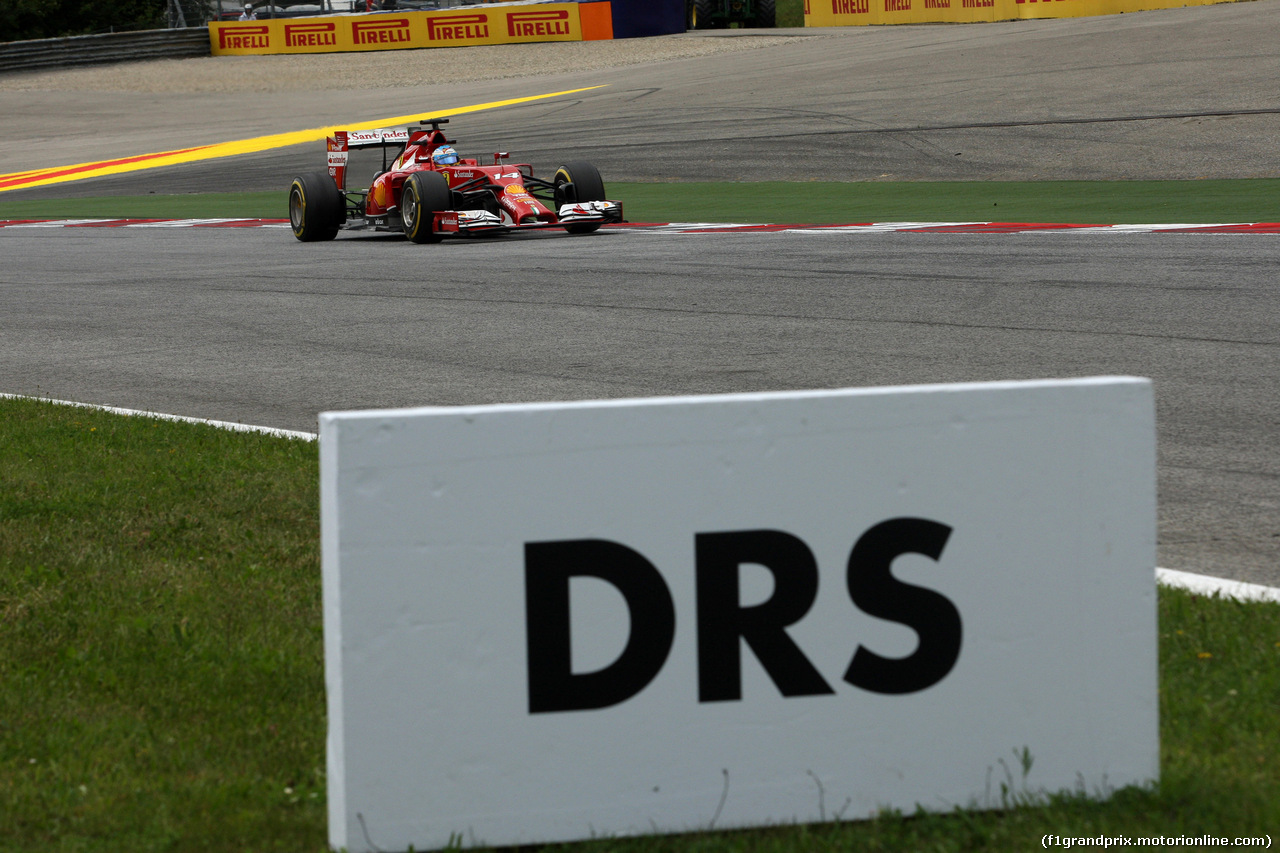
(160, 637)
(1089, 202)
(256, 205)
(161, 667)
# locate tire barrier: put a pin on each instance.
(464, 27)
(102, 49)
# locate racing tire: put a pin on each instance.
(578, 180)
(766, 13)
(699, 14)
(316, 209)
(423, 195)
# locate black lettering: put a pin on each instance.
(929, 613)
(548, 566)
(722, 620)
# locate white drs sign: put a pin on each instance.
(559, 621)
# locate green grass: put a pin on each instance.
(161, 672)
(789, 13)
(259, 205)
(160, 636)
(1091, 202)
(1094, 202)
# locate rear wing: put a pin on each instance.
(343, 141)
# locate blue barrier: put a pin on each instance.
(637, 18)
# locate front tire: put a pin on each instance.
(316, 211)
(423, 195)
(579, 181)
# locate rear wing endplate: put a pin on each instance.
(343, 141)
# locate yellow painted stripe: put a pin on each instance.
(61, 174)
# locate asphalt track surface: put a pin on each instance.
(1181, 93)
(248, 325)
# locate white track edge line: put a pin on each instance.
(1221, 587)
(710, 227)
(115, 410)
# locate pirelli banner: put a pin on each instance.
(844, 13)
(471, 25)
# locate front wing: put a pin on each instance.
(483, 221)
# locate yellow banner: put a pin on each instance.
(445, 28)
(845, 13)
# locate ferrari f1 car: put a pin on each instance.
(429, 192)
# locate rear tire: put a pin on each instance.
(766, 13)
(578, 180)
(423, 196)
(316, 209)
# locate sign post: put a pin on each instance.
(550, 622)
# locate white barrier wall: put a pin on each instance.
(559, 621)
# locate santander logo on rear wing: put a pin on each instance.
(379, 136)
(343, 141)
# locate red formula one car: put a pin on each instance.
(429, 192)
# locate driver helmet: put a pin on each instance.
(444, 156)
